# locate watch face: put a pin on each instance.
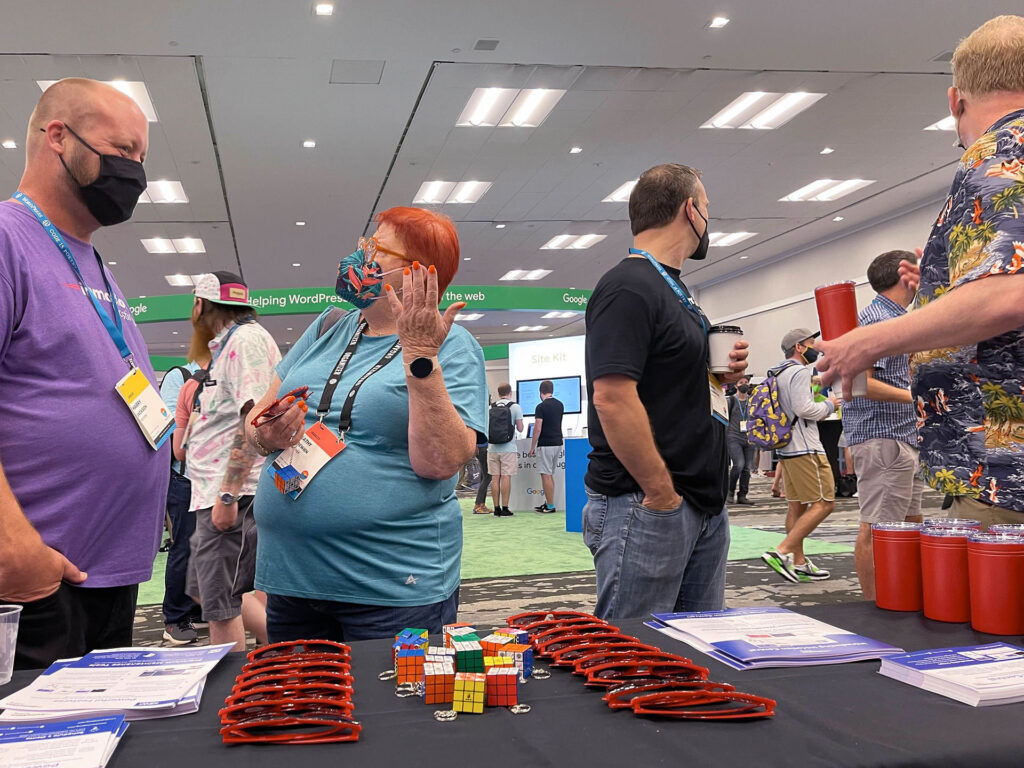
(421, 367)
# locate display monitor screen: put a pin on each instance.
(567, 389)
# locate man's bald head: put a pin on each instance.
(82, 104)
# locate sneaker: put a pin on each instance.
(181, 633)
(744, 501)
(782, 564)
(481, 509)
(505, 512)
(539, 508)
(544, 509)
(808, 571)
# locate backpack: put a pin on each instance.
(768, 426)
(500, 429)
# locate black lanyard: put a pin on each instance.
(345, 422)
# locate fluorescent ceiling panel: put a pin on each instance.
(947, 123)
(177, 245)
(725, 239)
(9, 144)
(487, 106)
(189, 245)
(178, 281)
(574, 242)
(463, 192)
(468, 317)
(762, 110)
(621, 194)
(531, 107)
(509, 107)
(164, 191)
(135, 89)
(557, 315)
(528, 328)
(825, 190)
(525, 274)
(158, 245)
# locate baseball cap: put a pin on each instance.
(224, 288)
(796, 335)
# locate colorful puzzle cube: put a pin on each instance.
(521, 635)
(523, 657)
(437, 653)
(452, 632)
(470, 690)
(287, 478)
(502, 687)
(494, 643)
(438, 683)
(499, 661)
(469, 656)
(409, 665)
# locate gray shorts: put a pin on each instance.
(889, 483)
(547, 458)
(223, 563)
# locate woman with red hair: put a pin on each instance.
(360, 532)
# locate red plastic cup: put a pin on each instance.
(944, 575)
(837, 309)
(953, 522)
(996, 565)
(897, 553)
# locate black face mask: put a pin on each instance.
(743, 388)
(112, 197)
(811, 354)
(702, 247)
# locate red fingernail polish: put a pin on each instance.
(388, 288)
(431, 270)
(407, 272)
(415, 265)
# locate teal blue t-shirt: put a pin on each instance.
(367, 529)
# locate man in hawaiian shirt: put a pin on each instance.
(968, 370)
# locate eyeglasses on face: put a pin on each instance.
(703, 705)
(621, 696)
(614, 673)
(520, 620)
(370, 248)
(272, 728)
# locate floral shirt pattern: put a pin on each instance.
(970, 409)
(241, 371)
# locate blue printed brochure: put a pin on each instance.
(86, 743)
(979, 675)
(750, 638)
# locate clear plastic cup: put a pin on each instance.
(9, 617)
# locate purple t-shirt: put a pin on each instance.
(76, 460)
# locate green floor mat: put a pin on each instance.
(528, 544)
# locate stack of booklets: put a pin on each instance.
(750, 638)
(979, 675)
(81, 743)
(138, 683)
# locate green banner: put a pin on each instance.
(311, 301)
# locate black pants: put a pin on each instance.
(741, 456)
(177, 605)
(73, 621)
(485, 478)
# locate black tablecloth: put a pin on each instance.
(839, 715)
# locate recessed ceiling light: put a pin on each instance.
(826, 151)
(762, 110)
(296, 264)
(112, 263)
(743, 258)
(174, 333)
(181, 346)
(467, 258)
(289, 329)
(575, 242)
(142, 296)
(509, 107)
(945, 124)
(324, 9)
(177, 245)
(499, 226)
(468, 317)
(189, 245)
(825, 189)
(525, 274)
(300, 223)
(837, 218)
(178, 280)
(575, 150)
(529, 328)
(135, 89)
(718, 22)
(557, 315)
(725, 239)
(164, 191)
(158, 245)
(621, 193)
(9, 144)
(309, 144)
(433, 192)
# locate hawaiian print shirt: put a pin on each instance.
(242, 369)
(970, 410)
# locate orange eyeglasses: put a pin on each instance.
(370, 248)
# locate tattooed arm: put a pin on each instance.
(243, 456)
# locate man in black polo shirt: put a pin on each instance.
(655, 519)
(547, 437)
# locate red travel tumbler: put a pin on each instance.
(897, 552)
(944, 575)
(837, 309)
(996, 565)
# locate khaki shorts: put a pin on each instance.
(808, 478)
(504, 464)
(889, 483)
(972, 509)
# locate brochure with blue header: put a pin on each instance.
(979, 675)
(749, 638)
(83, 743)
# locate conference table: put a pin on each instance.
(835, 715)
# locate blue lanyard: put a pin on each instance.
(684, 298)
(113, 325)
(220, 351)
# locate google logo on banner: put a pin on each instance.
(533, 491)
(568, 298)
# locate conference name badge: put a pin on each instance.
(296, 467)
(151, 414)
(719, 403)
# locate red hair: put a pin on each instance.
(428, 237)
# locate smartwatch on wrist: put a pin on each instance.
(227, 499)
(421, 367)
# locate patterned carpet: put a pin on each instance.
(487, 601)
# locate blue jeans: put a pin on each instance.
(177, 605)
(301, 618)
(654, 562)
(741, 456)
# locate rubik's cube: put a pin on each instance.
(521, 635)
(502, 687)
(498, 661)
(452, 632)
(437, 653)
(287, 479)
(438, 683)
(494, 643)
(522, 655)
(408, 639)
(470, 690)
(409, 665)
(469, 656)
